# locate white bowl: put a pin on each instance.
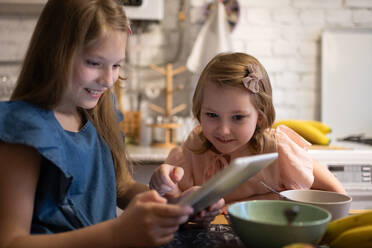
(337, 204)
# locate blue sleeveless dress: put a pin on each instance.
(77, 185)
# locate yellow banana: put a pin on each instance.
(299, 245)
(324, 128)
(356, 237)
(310, 133)
(337, 227)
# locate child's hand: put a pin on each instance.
(149, 221)
(165, 178)
(206, 216)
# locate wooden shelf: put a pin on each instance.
(166, 125)
(169, 134)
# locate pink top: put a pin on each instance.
(292, 170)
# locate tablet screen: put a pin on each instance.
(225, 181)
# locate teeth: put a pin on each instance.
(95, 92)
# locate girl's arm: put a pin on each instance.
(19, 174)
(146, 222)
(325, 180)
(129, 191)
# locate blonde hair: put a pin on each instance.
(64, 27)
(229, 69)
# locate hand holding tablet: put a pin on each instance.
(225, 181)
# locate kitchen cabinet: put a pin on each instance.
(21, 6)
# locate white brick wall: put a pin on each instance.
(362, 16)
(308, 49)
(15, 33)
(317, 4)
(285, 35)
(258, 16)
(264, 3)
(310, 17)
(286, 16)
(339, 17)
(359, 3)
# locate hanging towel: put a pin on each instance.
(214, 38)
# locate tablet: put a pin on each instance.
(225, 181)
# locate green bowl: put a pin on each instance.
(262, 223)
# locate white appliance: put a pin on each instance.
(346, 81)
(353, 167)
(144, 9)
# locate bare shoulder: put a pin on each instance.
(19, 169)
(17, 156)
(19, 174)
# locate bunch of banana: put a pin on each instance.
(351, 231)
(313, 131)
(299, 245)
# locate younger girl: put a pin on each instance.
(233, 104)
(63, 168)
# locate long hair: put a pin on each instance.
(228, 70)
(64, 27)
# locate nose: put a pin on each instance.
(107, 77)
(224, 128)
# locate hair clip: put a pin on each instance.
(251, 82)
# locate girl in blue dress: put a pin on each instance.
(63, 168)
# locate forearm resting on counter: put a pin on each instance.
(325, 180)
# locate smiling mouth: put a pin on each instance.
(94, 93)
(225, 141)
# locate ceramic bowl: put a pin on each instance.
(262, 223)
(337, 204)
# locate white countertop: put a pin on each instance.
(158, 155)
(147, 153)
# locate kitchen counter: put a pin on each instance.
(147, 154)
(146, 159)
(151, 155)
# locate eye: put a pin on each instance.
(116, 66)
(92, 63)
(238, 117)
(211, 115)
